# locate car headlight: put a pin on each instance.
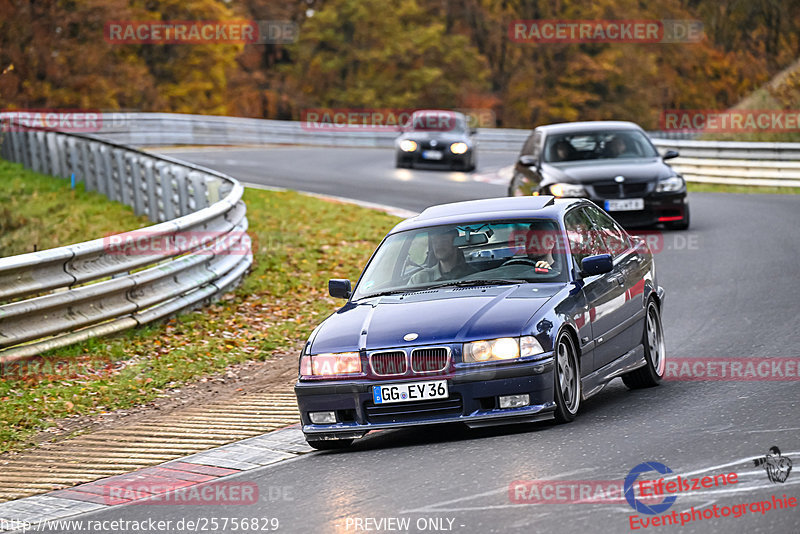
(459, 148)
(504, 348)
(567, 190)
(330, 364)
(407, 145)
(668, 185)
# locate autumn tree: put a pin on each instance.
(367, 53)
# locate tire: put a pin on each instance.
(567, 387)
(654, 352)
(329, 444)
(683, 224)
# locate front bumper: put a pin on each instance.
(449, 160)
(472, 400)
(658, 208)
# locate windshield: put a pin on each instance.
(496, 252)
(579, 146)
(436, 121)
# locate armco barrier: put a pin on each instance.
(769, 164)
(56, 297)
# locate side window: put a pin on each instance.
(537, 142)
(614, 238)
(529, 148)
(582, 236)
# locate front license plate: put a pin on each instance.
(410, 391)
(627, 204)
(432, 154)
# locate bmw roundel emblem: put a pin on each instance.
(433, 142)
(619, 179)
(411, 336)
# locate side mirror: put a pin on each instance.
(339, 288)
(528, 161)
(599, 264)
(670, 154)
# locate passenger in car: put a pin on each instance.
(450, 262)
(541, 240)
(616, 147)
(564, 151)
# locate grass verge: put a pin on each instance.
(39, 212)
(699, 187)
(299, 242)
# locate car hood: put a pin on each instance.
(582, 172)
(436, 316)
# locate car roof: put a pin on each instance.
(433, 111)
(587, 126)
(492, 209)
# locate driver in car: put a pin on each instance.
(450, 263)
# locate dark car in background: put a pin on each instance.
(613, 163)
(484, 312)
(436, 139)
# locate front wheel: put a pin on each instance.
(654, 352)
(329, 444)
(567, 379)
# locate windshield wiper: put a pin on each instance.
(480, 282)
(388, 292)
(451, 283)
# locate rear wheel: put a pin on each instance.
(654, 352)
(567, 379)
(329, 444)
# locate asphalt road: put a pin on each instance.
(733, 287)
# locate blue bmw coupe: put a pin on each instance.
(484, 312)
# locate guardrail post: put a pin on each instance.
(36, 151)
(119, 173)
(167, 189)
(149, 190)
(105, 174)
(82, 165)
(136, 182)
(197, 191)
(181, 190)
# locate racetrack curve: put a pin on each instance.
(733, 289)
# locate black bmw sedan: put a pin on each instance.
(436, 138)
(612, 163)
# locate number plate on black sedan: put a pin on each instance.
(410, 391)
(628, 204)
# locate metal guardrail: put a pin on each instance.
(198, 251)
(736, 163)
(722, 162)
